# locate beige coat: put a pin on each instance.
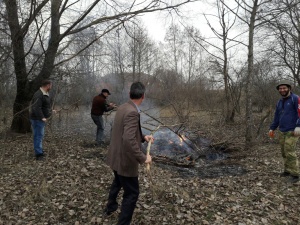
(125, 154)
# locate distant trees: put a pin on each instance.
(129, 55)
(84, 47)
(141, 52)
(221, 56)
(181, 70)
(284, 24)
(78, 75)
(40, 31)
(6, 70)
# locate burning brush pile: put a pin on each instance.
(176, 149)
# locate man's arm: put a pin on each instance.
(109, 107)
(297, 106)
(275, 122)
(130, 140)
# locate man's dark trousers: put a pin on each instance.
(130, 186)
(98, 120)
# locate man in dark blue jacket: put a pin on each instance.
(40, 112)
(287, 118)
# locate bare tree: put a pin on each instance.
(49, 23)
(284, 24)
(192, 59)
(220, 64)
(172, 92)
(248, 14)
(141, 51)
(180, 89)
(174, 43)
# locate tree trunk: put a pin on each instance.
(249, 80)
(26, 89)
(229, 117)
(20, 122)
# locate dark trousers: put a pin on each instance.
(98, 120)
(130, 186)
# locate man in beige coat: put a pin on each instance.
(125, 155)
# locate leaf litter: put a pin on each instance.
(71, 187)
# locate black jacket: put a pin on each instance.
(40, 106)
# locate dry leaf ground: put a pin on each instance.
(71, 187)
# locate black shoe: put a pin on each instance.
(40, 156)
(102, 144)
(285, 174)
(294, 179)
(107, 214)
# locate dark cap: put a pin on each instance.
(105, 90)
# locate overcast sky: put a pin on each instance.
(158, 22)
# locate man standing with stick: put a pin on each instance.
(99, 106)
(40, 112)
(125, 155)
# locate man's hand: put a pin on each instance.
(149, 138)
(271, 133)
(148, 159)
(44, 119)
(297, 131)
(112, 105)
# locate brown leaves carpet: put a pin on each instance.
(71, 187)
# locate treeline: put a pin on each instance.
(83, 48)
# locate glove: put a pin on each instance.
(297, 131)
(272, 133)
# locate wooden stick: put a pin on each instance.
(148, 153)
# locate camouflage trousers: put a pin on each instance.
(288, 142)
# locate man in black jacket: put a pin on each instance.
(40, 112)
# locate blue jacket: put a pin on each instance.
(287, 114)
